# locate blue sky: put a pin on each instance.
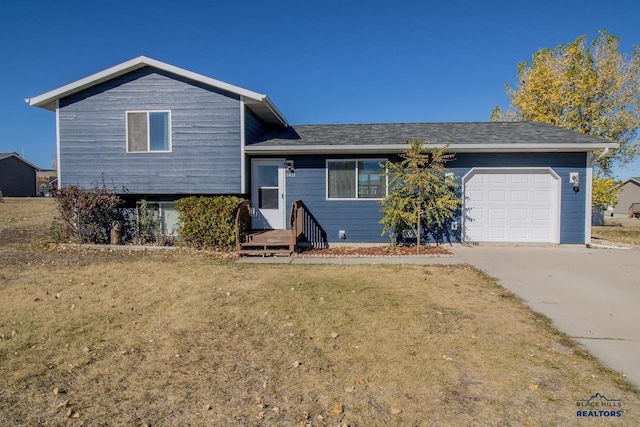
(319, 61)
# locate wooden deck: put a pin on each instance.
(268, 242)
(305, 232)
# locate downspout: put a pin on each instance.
(603, 154)
(589, 196)
(243, 142)
(58, 157)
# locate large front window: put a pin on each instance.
(148, 131)
(356, 179)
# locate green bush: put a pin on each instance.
(208, 222)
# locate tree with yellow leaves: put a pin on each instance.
(590, 88)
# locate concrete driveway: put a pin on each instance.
(593, 295)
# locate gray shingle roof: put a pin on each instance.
(470, 133)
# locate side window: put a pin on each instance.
(356, 179)
(148, 131)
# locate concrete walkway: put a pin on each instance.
(593, 295)
(345, 260)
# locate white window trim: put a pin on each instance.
(149, 151)
(356, 198)
(159, 207)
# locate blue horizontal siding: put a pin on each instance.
(360, 219)
(205, 126)
(253, 125)
(572, 204)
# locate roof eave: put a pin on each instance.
(398, 148)
(48, 100)
(264, 104)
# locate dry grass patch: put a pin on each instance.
(179, 338)
(621, 230)
(25, 219)
(176, 339)
(627, 234)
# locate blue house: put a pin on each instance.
(160, 132)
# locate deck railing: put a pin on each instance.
(306, 232)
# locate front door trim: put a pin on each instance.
(267, 218)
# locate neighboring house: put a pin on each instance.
(149, 129)
(629, 194)
(17, 176)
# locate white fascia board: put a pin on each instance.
(397, 148)
(324, 149)
(267, 101)
(47, 100)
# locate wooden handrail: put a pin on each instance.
(243, 222)
(294, 223)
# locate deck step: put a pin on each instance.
(265, 244)
(265, 252)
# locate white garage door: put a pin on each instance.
(512, 206)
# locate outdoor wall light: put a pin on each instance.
(289, 165)
(574, 178)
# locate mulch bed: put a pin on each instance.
(373, 251)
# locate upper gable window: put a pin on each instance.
(148, 131)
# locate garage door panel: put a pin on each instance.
(542, 196)
(519, 196)
(497, 233)
(512, 206)
(543, 178)
(541, 215)
(497, 196)
(519, 215)
(519, 178)
(497, 179)
(541, 233)
(497, 214)
(480, 216)
(518, 233)
(475, 195)
(475, 233)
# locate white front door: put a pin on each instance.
(267, 194)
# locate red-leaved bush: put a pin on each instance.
(89, 214)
